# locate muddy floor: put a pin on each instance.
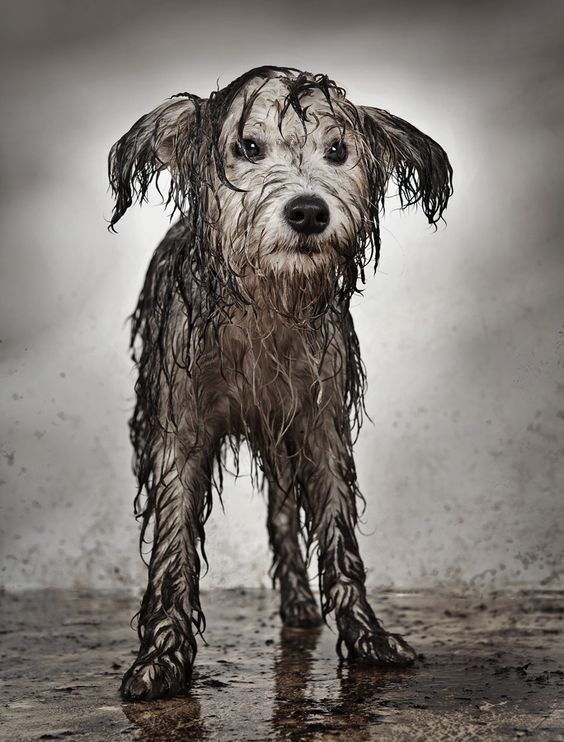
(491, 668)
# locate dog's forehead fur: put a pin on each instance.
(270, 114)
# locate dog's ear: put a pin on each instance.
(160, 139)
(417, 165)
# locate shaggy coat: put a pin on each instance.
(243, 333)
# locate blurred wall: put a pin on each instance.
(462, 330)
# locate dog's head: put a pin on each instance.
(280, 176)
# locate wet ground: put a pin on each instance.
(491, 668)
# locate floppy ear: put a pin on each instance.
(413, 161)
(160, 139)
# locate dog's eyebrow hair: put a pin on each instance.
(257, 125)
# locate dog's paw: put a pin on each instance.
(154, 678)
(301, 614)
(382, 648)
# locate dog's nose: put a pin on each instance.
(307, 214)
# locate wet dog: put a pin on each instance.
(243, 332)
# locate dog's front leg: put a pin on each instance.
(329, 481)
(171, 606)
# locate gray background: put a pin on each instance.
(462, 330)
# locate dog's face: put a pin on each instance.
(281, 176)
(301, 203)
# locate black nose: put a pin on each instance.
(307, 214)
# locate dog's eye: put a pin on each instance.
(337, 152)
(248, 149)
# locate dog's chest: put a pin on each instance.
(269, 371)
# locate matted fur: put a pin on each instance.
(243, 332)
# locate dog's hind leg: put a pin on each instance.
(298, 607)
(171, 614)
(327, 475)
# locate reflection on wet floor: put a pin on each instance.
(491, 668)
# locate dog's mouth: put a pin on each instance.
(308, 247)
